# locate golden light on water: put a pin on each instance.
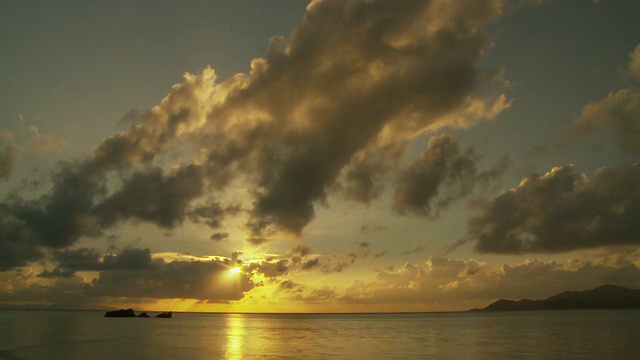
(234, 347)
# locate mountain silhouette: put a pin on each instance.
(602, 297)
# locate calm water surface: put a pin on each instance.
(514, 335)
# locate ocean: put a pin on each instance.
(596, 334)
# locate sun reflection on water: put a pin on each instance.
(234, 346)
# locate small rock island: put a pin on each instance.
(130, 313)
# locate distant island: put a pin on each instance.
(602, 297)
(130, 313)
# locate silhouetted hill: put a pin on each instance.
(602, 297)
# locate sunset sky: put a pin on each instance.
(344, 155)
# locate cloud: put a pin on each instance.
(339, 99)
(18, 245)
(363, 245)
(304, 114)
(41, 144)
(301, 259)
(58, 219)
(415, 250)
(271, 268)
(445, 284)
(203, 280)
(298, 258)
(364, 175)
(72, 261)
(134, 115)
(452, 284)
(373, 228)
(8, 157)
(619, 113)
(212, 213)
(438, 284)
(85, 259)
(634, 63)
(131, 259)
(299, 251)
(562, 210)
(132, 273)
(6, 135)
(73, 207)
(289, 285)
(219, 236)
(443, 174)
(151, 196)
(310, 264)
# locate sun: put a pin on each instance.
(235, 270)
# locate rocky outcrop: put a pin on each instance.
(120, 313)
(130, 313)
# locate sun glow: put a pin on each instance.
(235, 270)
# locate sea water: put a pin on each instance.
(609, 334)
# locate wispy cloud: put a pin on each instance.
(634, 63)
(619, 113)
(8, 157)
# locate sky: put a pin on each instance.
(316, 156)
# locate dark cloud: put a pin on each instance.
(271, 268)
(363, 177)
(619, 113)
(133, 273)
(151, 196)
(562, 210)
(62, 216)
(8, 157)
(310, 264)
(71, 210)
(289, 285)
(219, 236)
(18, 244)
(209, 281)
(257, 240)
(443, 174)
(417, 249)
(212, 213)
(301, 259)
(373, 228)
(130, 259)
(363, 245)
(72, 261)
(298, 256)
(76, 206)
(300, 251)
(85, 259)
